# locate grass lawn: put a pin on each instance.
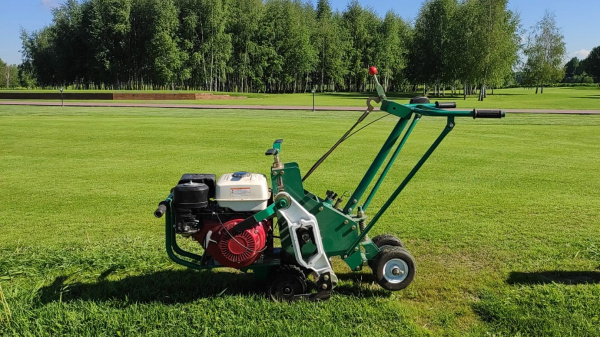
(573, 98)
(503, 222)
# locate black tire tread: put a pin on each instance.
(387, 253)
(285, 273)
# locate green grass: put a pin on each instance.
(572, 98)
(503, 222)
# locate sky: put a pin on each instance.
(578, 19)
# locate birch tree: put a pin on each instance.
(545, 53)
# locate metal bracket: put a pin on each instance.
(370, 107)
(297, 217)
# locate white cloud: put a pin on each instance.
(580, 54)
(48, 4)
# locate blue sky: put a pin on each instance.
(578, 19)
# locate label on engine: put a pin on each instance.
(237, 192)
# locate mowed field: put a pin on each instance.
(503, 221)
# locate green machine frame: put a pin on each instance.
(343, 231)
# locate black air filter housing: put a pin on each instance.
(190, 195)
(202, 178)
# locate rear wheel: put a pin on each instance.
(394, 268)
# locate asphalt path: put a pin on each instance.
(266, 107)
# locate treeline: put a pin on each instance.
(583, 71)
(9, 75)
(270, 46)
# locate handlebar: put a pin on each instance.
(421, 105)
(488, 113)
(160, 211)
(445, 105)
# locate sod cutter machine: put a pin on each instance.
(235, 218)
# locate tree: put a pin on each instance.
(26, 75)
(592, 63)
(9, 75)
(545, 52)
(362, 27)
(70, 42)
(3, 66)
(571, 67)
(428, 60)
(484, 44)
(107, 39)
(39, 52)
(500, 46)
(243, 28)
(392, 49)
(322, 35)
(270, 45)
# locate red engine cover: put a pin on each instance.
(237, 251)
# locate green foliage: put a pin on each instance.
(269, 46)
(108, 31)
(430, 62)
(9, 75)
(474, 42)
(331, 44)
(575, 72)
(592, 63)
(361, 25)
(392, 50)
(545, 52)
(572, 67)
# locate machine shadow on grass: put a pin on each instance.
(168, 287)
(183, 286)
(359, 285)
(555, 276)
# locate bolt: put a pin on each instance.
(355, 201)
(353, 227)
(345, 256)
(357, 268)
(324, 286)
(305, 237)
(274, 173)
(345, 222)
(282, 172)
(256, 231)
(320, 208)
(397, 271)
(356, 249)
(349, 210)
(326, 277)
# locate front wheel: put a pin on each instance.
(394, 268)
(387, 240)
(286, 283)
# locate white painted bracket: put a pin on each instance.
(297, 217)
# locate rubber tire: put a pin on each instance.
(389, 253)
(387, 240)
(286, 282)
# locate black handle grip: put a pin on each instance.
(160, 211)
(488, 113)
(445, 105)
